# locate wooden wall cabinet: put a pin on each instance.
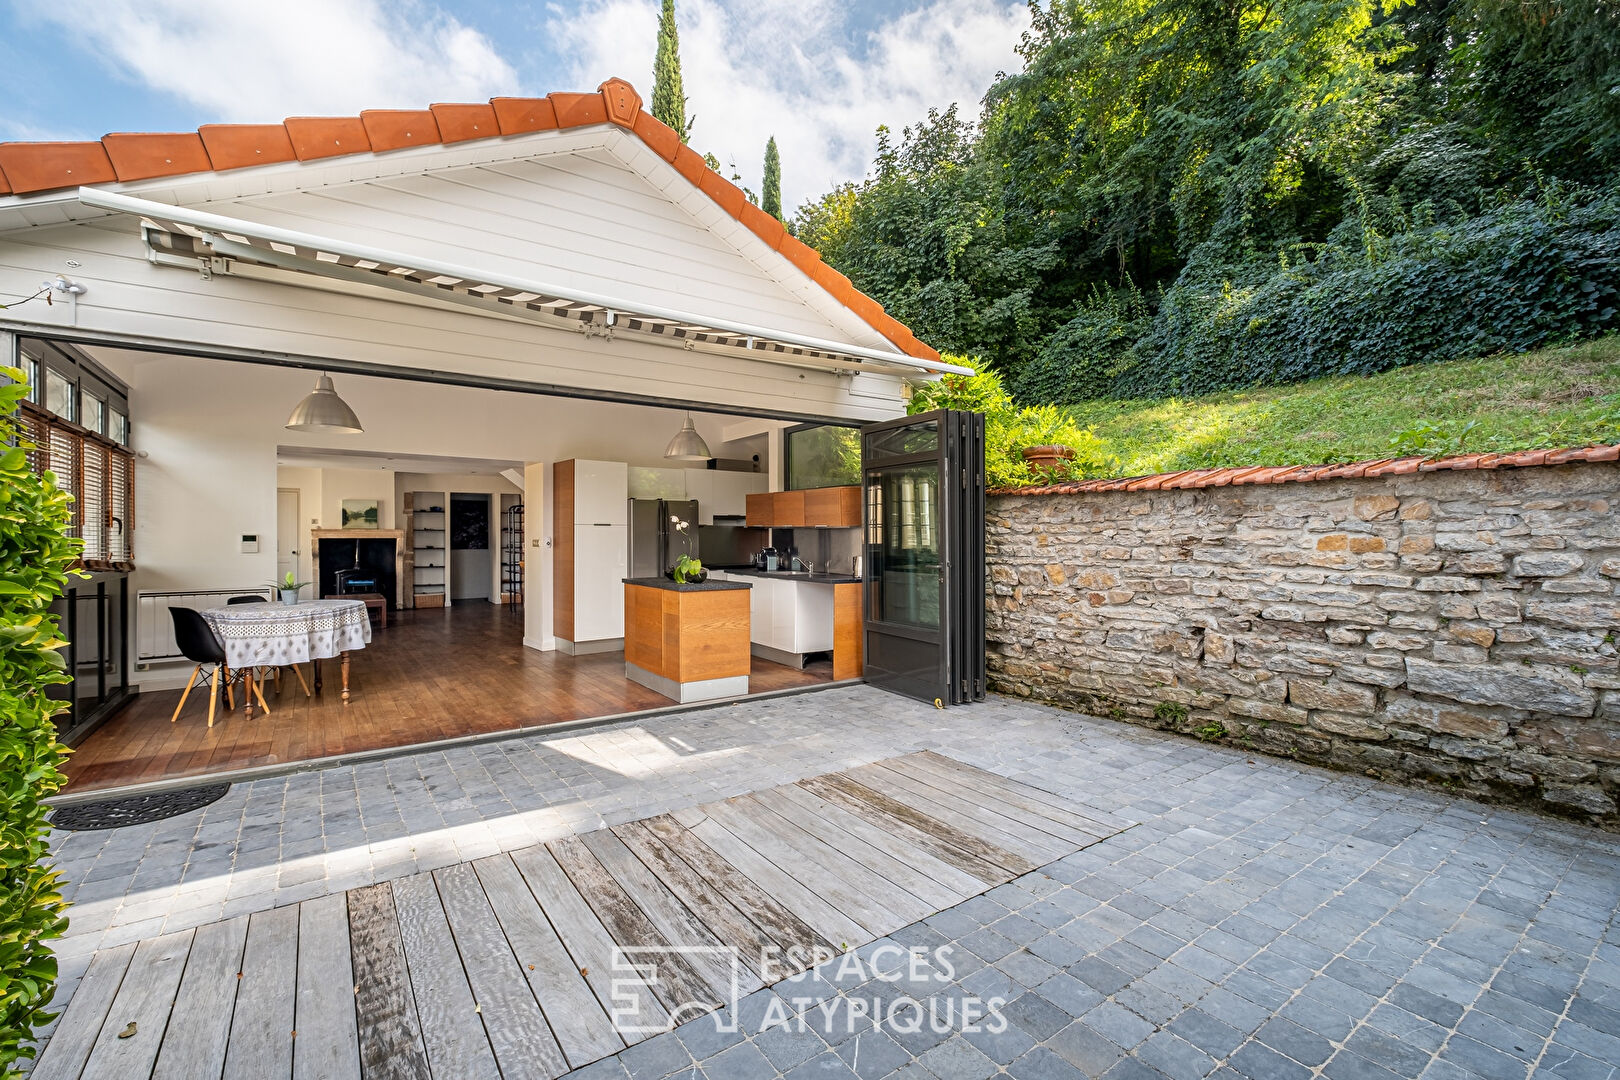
(832, 507)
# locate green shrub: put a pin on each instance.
(35, 553)
(1009, 428)
(1082, 358)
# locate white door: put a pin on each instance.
(287, 530)
(599, 567)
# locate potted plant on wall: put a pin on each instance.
(289, 587)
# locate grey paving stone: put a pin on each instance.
(872, 1054)
(958, 1059)
(1042, 1064)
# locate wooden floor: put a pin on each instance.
(505, 967)
(433, 674)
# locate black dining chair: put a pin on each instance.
(199, 644)
(276, 671)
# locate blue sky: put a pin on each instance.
(819, 75)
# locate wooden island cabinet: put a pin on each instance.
(687, 642)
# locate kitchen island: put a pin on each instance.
(687, 642)
(795, 613)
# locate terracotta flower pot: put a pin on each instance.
(1047, 457)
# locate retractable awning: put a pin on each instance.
(289, 249)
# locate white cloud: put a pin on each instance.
(786, 68)
(252, 61)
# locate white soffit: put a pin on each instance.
(238, 238)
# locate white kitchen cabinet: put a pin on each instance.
(646, 483)
(791, 616)
(722, 492)
(599, 570)
(600, 491)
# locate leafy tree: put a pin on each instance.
(772, 203)
(35, 553)
(668, 95)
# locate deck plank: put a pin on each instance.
(200, 1024)
(1050, 805)
(144, 998)
(832, 924)
(327, 1046)
(677, 984)
(261, 1043)
(960, 814)
(589, 945)
(972, 856)
(75, 1036)
(881, 899)
(584, 1032)
(772, 917)
(391, 1046)
(523, 1043)
(912, 868)
(676, 925)
(998, 800)
(452, 1030)
(753, 946)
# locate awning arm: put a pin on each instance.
(387, 265)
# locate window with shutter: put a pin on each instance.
(93, 500)
(64, 462)
(120, 478)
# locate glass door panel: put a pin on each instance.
(906, 556)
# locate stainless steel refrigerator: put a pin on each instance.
(656, 538)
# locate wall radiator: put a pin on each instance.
(154, 628)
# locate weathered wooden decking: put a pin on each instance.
(504, 967)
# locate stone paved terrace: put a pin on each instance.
(1264, 919)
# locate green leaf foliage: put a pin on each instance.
(35, 554)
(771, 189)
(668, 93)
(1177, 196)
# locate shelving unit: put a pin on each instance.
(511, 550)
(430, 542)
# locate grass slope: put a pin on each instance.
(1560, 397)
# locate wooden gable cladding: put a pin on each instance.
(31, 168)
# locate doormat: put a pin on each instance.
(136, 809)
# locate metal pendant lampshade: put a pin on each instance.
(323, 410)
(687, 445)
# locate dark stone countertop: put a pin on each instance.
(797, 575)
(702, 586)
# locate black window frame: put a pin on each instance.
(787, 455)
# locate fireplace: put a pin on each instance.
(359, 561)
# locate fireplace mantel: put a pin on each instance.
(396, 535)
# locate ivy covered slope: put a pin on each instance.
(1560, 397)
(35, 553)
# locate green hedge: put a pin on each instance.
(35, 553)
(1526, 275)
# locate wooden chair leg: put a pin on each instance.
(213, 695)
(298, 671)
(278, 682)
(257, 686)
(185, 693)
(230, 688)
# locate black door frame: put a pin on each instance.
(894, 651)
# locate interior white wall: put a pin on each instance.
(340, 484)
(210, 431)
(537, 557)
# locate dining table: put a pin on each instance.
(274, 635)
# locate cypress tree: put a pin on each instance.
(668, 96)
(772, 203)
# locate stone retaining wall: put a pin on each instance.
(1450, 627)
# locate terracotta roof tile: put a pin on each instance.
(1286, 474)
(458, 123)
(32, 168)
(44, 166)
(315, 137)
(519, 116)
(140, 156)
(394, 129)
(237, 146)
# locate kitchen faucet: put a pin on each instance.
(804, 565)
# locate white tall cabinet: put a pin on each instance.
(591, 548)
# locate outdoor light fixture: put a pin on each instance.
(323, 410)
(687, 445)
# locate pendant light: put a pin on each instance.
(323, 410)
(687, 445)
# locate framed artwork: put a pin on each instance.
(361, 514)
